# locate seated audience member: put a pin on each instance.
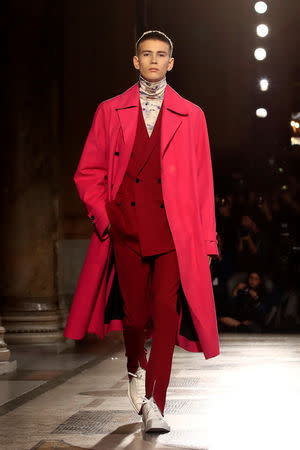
(251, 245)
(246, 311)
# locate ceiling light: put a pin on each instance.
(260, 7)
(260, 53)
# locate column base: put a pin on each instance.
(7, 366)
(55, 347)
(50, 337)
(32, 321)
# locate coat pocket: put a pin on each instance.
(116, 219)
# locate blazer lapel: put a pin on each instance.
(150, 142)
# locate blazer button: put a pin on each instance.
(117, 153)
(137, 180)
(162, 205)
(131, 154)
(159, 180)
(92, 217)
(132, 203)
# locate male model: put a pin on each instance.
(145, 177)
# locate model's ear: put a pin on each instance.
(136, 62)
(171, 64)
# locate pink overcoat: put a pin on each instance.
(187, 186)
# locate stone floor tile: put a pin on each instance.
(10, 390)
(247, 398)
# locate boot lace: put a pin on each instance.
(140, 384)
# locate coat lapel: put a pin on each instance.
(127, 108)
(174, 110)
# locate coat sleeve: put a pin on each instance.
(91, 175)
(206, 189)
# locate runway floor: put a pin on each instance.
(246, 398)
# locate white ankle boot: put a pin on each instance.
(137, 389)
(153, 420)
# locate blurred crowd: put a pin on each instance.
(256, 277)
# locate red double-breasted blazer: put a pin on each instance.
(137, 215)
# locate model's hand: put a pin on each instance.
(209, 259)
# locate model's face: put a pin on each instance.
(153, 60)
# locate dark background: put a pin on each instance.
(62, 58)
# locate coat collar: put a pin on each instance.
(127, 107)
(172, 101)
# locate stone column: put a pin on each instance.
(30, 181)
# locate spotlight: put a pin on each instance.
(261, 113)
(260, 53)
(262, 30)
(264, 84)
(260, 7)
(294, 124)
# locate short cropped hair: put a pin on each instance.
(154, 35)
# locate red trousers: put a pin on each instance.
(149, 288)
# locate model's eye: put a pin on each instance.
(146, 54)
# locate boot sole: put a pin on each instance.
(154, 427)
